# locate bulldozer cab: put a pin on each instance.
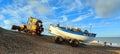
(33, 23)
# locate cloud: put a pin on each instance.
(107, 8)
(44, 1)
(64, 18)
(81, 17)
(11, 12)
(45, 10)
(9, 22)
(76, 5)
(20, 10)
(2, 17)
(71, 5)
(28, 8)
(78, 19)
(38, 6)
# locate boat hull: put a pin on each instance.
(66, 35)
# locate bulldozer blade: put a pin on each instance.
(14, 27)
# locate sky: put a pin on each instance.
(103, 15)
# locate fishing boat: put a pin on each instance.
(73, 37)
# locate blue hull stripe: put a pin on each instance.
(78, 33)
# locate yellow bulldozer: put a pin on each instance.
(33, 26)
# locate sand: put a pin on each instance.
(12, 42)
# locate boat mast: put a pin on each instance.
(90, 28)
(69, 24)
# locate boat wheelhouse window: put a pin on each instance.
(91, 34)
(62, 27)
(85, 34)
(88, 34)
(68, 29)
(94, 34)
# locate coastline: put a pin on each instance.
(108, 48)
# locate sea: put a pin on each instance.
(112, 41)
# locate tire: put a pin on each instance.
(38, 32)
(59, 40)
(74, 43)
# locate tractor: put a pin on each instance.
(33, 26)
